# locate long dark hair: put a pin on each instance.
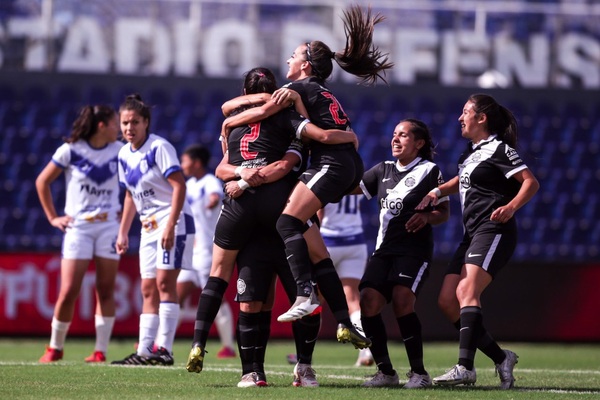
(500, 120)
(260, 80)
(360, 56)
(86, 124)
(134, 102)
(422, 132)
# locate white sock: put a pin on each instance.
(224, 322)
(148, 330)
(104, 327)
(355, 318)
(169, 317)
(59, 333)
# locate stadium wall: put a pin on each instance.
(528, 302)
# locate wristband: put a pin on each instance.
(436, 191)
(238, 171)
(243, 184)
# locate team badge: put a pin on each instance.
(112, 167)
(241, 286)
(143, 166)
(476, 156)
(410, 181)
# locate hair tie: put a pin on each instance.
(333, 54)
(260, 74)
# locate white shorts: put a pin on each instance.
(88, 240)
(153, 257)
(201, 263)
(350, 261)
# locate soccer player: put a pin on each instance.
(259, 155)
(335, 169)
(493, 183)
(399, 266)
(204, 194)
(150, 172)
(90, 224)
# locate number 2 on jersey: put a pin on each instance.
(247, 139)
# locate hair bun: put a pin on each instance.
(134, 96)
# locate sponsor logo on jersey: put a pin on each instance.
(511, 153)
(143, 194)
(394, 205)
(94, 191)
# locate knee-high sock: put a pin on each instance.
(291, 229)
(208, 306)
(168, 315)
(148, 330)
(375, 330)
(331, 288)
(224, 322)
(306, 332)
(410, 328)
(487, 345)
(104, 327)
(264, 330)
(59, 333)
(470, 331)
(248, 326)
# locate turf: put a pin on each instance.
(544, 371)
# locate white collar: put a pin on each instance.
(482, 142)
(405, 168)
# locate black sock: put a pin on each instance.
(375, 330)
(410, 329)
(331, 288)
(306, 331)
(208, 307)
(470, 331)
(247, 333)
(290, 229)
(264, 325)
(487, 345)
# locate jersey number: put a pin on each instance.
(247, 139)
(336, 110)
(348, 205)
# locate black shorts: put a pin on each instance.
(333, 174)
(385, 272)
(254, 211)
(490, 248)
(260, 261)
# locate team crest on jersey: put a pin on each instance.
(410, 181)
(241, 286)
(475, 157)
(143, 166)
(112, 167)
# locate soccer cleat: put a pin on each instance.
(226, 352)
(162, 356)
(253, 379)
(51, 355)
(417, 381)
(303, 306)
(195, 360)
(96, 357)
(505, 370)
(382, 380)
(351, 334)
(365, 358)
(133, 359)
(305, 376)
(261, 379)
(457, 375)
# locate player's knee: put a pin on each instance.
(289, 226)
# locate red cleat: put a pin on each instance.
(51, 355)
(96, 357)
(226, 352)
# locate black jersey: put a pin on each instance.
(399, 190)
(323, 108)
(262, 143)
(485, 172)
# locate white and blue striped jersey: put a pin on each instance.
(92, 186)
(205, 219)
(341, 224)
(143, 172)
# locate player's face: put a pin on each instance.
(187, 165)
(297, 64)
(133, 127)
(404, 145)
(472, 125)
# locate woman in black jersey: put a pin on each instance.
(399, 266)
(334, 170)
(263, 154)
(493, 183)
